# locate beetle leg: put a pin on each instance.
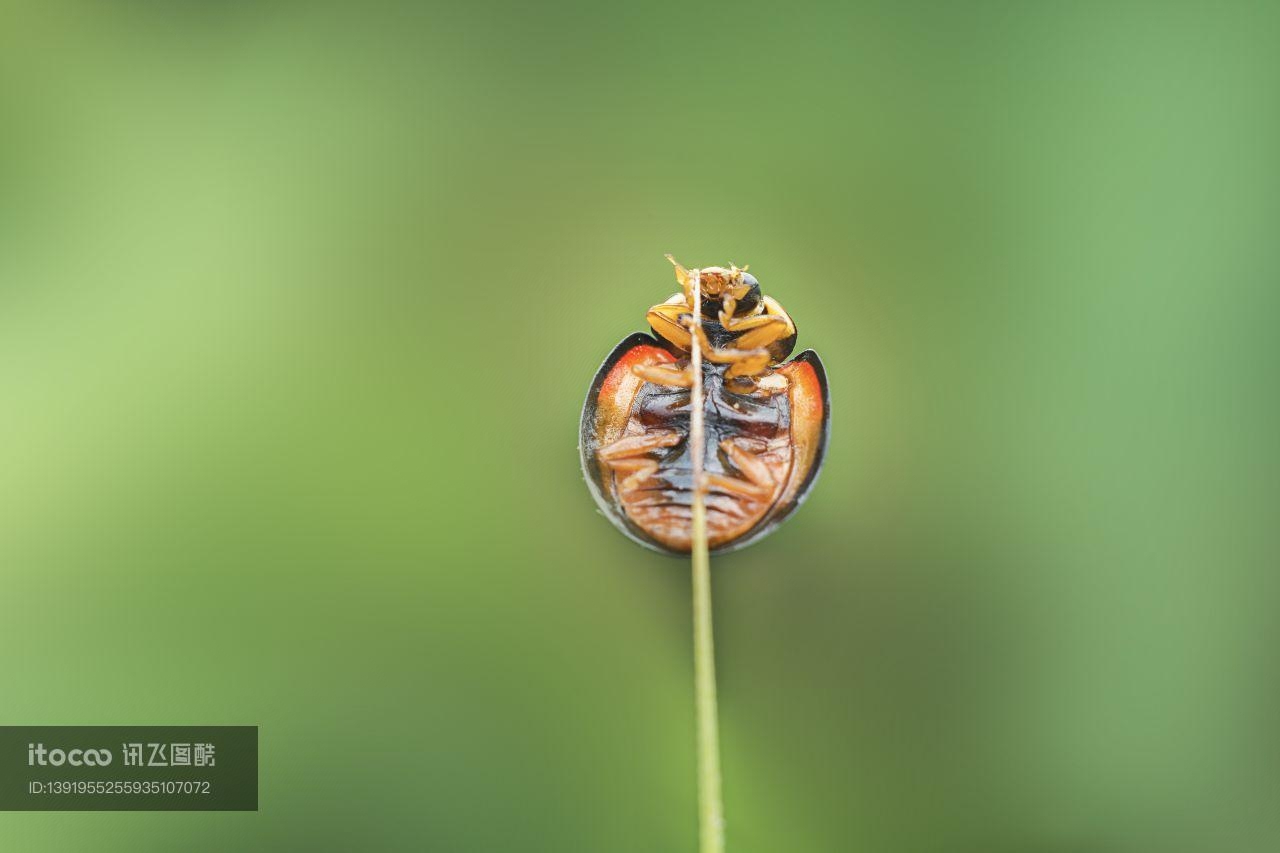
(637, 471)
(728, 305)
(665, 321)
(665, 374)
(638, 445)
(735, 485)
(763, 329)
(742, 362)
(751, 363)
(627, 456)
(749, 464)
(755, 482)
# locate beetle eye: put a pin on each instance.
(748, 303)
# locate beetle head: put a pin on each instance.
(719, 283)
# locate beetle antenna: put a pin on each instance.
(683, 277)
(682, 274)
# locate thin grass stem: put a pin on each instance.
(710, 804)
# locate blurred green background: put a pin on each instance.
(298, 304)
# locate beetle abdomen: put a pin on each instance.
(761, 453)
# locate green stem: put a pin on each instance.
(710, 806)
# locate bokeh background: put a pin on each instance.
(298, 303)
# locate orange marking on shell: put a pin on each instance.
(619, 390)
(806, 424)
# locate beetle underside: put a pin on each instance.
(766, 423)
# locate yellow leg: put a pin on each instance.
(665, 374)
(742, 362)
(628, 456)
(638, 445)
(762, 329)
(756, 481)
(752, 363)
(637, 471)
(665, 321)
(735, 486)
(749, 464)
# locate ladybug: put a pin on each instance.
(765, 420)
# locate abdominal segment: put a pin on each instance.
(763, 448)
(747, 462)
(662, 505)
